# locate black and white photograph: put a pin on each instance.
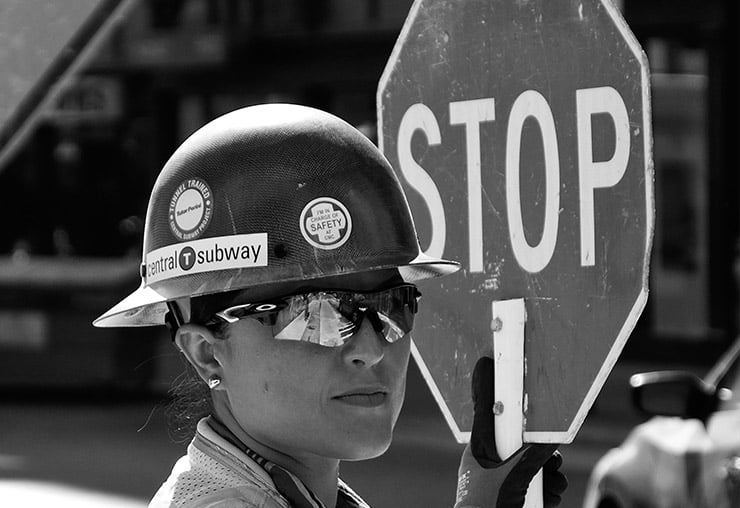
(370, 253)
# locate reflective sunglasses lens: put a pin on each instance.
(386, 326)
(331, 318)
(314, 318)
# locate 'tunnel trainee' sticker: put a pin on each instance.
(191, 208)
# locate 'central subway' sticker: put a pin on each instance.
(206, 255)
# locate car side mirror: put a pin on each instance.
(673, 393)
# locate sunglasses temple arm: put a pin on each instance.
(173, 319)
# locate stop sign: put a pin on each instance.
(521, 133)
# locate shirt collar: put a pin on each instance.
(289, 485)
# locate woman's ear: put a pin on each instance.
(197, 344)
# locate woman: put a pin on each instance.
(280, 251)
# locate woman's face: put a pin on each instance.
(339, 402)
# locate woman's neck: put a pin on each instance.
(319, 474)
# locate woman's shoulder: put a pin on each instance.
(224, 498)
(200, 480)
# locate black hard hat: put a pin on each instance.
(268, 194)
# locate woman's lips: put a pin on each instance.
(363, 398)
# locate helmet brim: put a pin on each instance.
(147, 307)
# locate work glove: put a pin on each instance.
(486, 481)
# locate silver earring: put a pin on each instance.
(213, 382)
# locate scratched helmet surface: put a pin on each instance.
(266, 194)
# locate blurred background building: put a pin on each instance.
(73, 197)
(78, 188)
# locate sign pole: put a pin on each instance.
(509, 318)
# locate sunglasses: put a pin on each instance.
(330, 318)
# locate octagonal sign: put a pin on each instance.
(521, 133)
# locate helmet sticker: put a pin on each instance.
(206, 255)
(326, 223)
(191, 208)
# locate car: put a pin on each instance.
(687, 454)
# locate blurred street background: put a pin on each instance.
(82, 410)
(118, 448)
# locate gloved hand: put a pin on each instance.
(484, 480)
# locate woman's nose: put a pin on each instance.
(365, 348)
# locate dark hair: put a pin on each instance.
(190, 397)
(190, 400)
